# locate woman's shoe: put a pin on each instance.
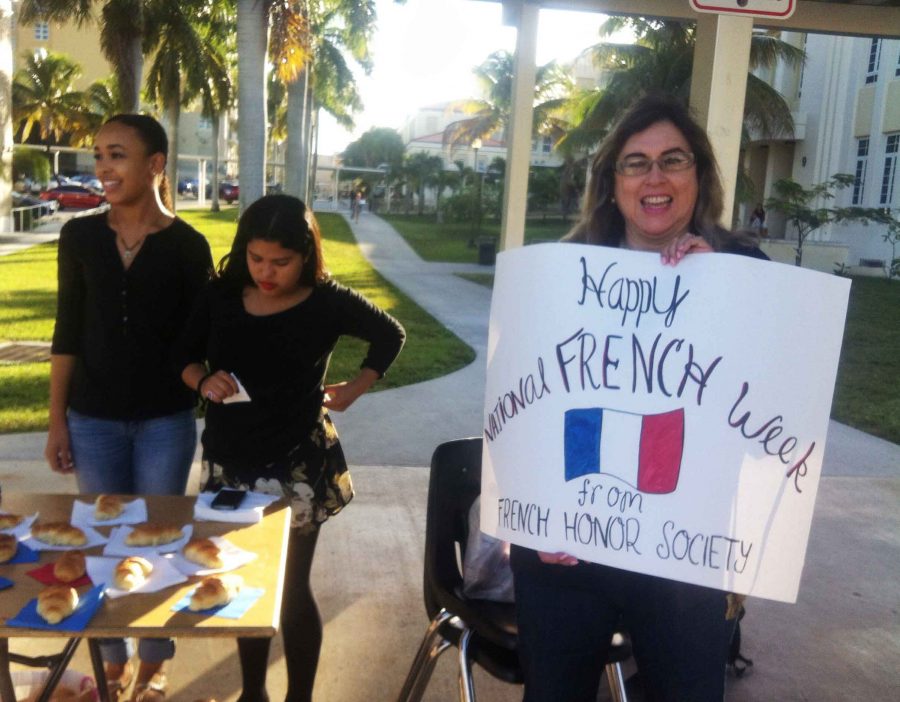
(117, 687)
(152, 691)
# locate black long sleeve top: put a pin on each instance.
(281, 360)
(121, 325)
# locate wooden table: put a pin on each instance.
(148, 615)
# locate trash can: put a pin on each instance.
(487, 251)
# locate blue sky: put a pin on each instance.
(424, 52)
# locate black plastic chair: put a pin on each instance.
(483, 631)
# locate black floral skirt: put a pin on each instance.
(313, 477)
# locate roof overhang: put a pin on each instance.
(846, 17)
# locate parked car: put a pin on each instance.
(187, 186)
(74, 196)
(88, 180)
(229, 191)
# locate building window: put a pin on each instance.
(547, 145)
(862, 160)
(874, 58)
(897, 71)
(890, 168)
(41, 31)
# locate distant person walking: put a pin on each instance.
(356, 205)
(758, 219)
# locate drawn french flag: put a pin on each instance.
(643, 450)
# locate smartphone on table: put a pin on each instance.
(228, 499)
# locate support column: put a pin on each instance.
(718, 89)
(524, 16)
(6, 123)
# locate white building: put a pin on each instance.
(846, 105)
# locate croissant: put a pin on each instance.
(152, 534)
(9, 544)
(56, 602)
(59, 534)
(108, 507)
(69, 567)
(214, 591)
(131, 572)
(8, 521)
(204, 552)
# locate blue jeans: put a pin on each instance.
(567, 615)
(146, 457)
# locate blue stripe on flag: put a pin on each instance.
(582, 441)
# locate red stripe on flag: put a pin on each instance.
(659, 458)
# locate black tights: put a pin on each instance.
(301, 631)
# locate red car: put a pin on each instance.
(229, 191)
(73, 196)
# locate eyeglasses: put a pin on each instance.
(668, 163)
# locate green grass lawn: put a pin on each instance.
(28, 307)
(450, 241)
(867, 395)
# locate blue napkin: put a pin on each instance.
(88, 603)
(5, 583)
(24, 554)
(235, 609)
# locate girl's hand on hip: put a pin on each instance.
(340, 396)
(218, 386)
(682, 246)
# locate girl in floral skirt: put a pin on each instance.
(271, 321)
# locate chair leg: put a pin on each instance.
(616, 682)
(422, 680)
(466, 684)
(425, 656)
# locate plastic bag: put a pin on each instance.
(486, 571)
(73, 686)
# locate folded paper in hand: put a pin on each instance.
(240, 396)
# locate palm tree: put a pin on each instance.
(662, 60)
(102, 101)
(44, 97)
(216, 98)
(491, 113)
(422, 170)
(186, 57)
(121, 35)
(289, 38)
(336, 29)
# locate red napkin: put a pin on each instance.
(44, 574)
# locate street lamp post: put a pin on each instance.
(476, 145)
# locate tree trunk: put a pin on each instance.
(295, 146)
(313, 160)
(252, 39)
(312, 119)
(214, 185)
(129, 74)
(173, 112)
(6, 127)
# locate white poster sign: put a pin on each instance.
(664, 420)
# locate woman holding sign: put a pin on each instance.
(654, 187)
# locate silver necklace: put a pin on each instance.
(128, 251)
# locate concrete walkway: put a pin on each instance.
(841, 641)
